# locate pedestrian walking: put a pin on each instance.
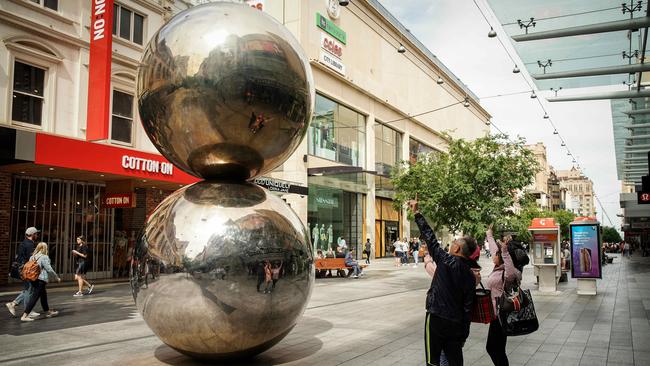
(366, 250)
(275, 273)
(450, 297)
(504, 275)
(405, 252)
(397, 252)
(268, 277)
(415, 251)
(626, 249)
(25, 250)
(81, 255)
(38, 286)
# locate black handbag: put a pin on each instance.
(14, 270)
(516, 312)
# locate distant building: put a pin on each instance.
(540, 187)
(581, 188)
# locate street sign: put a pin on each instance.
(643, 198)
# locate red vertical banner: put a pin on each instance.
(99, 70)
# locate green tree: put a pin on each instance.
(611, 235)
(472, 185)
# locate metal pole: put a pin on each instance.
(624, 69)
(619, 25)
(626, 94)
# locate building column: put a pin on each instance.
(370, 185)
(5, 219)
(406, 225)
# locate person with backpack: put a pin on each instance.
(25, 250)
(81, 255)
(38, 270)
(506, 274)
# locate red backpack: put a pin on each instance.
(31, 270)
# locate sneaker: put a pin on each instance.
(78, 294)
(355, 276)
(34, 314)
(26, 319)
(11, 307)
(90, 289)
(51, 313)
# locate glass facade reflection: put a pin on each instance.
(417, 149)
(334, 214)
(388, 148)
(337, 133)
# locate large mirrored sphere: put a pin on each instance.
(225, 91)
(222, 270)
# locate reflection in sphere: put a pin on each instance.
(222, 279)
(225, 91)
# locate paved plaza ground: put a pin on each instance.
(376, 320)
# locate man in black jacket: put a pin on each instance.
(450, 297)
(25, 250)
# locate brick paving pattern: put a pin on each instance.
(376, 320)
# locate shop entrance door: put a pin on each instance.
(391, 234)
(63, 210)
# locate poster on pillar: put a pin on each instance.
(585, 251)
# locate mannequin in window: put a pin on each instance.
(330, 236)
(315, 235)
(323, 234)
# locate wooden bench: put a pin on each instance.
(334, 264)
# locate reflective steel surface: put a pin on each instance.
(225, 91)
(222, 270)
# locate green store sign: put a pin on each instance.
(331, 28)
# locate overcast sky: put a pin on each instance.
(456, 33)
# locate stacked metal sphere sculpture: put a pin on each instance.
(223, 268)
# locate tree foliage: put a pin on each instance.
(611, 235)
(471, 186)
(518, 224)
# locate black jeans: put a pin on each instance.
(38, 292)
(496, 344)
(442, 335)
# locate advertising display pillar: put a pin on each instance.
(586, 254)
(546, 253)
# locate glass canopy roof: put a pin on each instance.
(575, 52)
(544, 57)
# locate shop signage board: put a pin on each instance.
(332, 62)
(643, 198)
(585, 250)
(57, 151)
(331, 28)
(281, 186)
(118, 200)
(331, 45)
(99, 70)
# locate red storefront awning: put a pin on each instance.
(70, 153)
